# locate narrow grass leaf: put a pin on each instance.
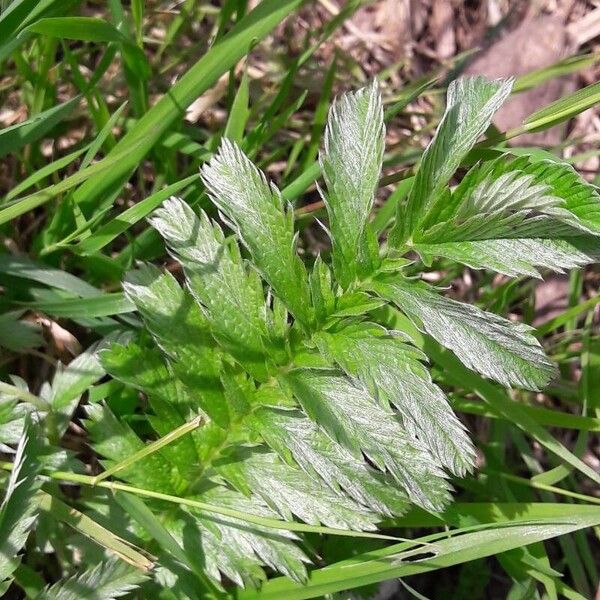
(15, 137)
(455, 548)
(123, 221)
(159, 119)
(563, 109)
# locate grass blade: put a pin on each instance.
(169, 109)
(15, 137)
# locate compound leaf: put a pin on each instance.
(471, 105)
(233, 298)
(289, 491)
(18, 510)
(181, 330)
(395, 374)
(513, 216)
(289, 432)
(110, 579)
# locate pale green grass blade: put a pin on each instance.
(73, 308)
(20, 206)
(460, 547)
(122, 222)
(543, 416)
(15, 137)
(87, 29)
(238, 116)
(44, 172)
(558, 69)
(563, 109)
(94, 531)
(26, 268)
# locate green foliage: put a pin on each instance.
(105, 581)
(322, 413)
(284, 395)
(19, 506)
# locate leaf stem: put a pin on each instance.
(209, 508)
(149, 449)
(538, 485)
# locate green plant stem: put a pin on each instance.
(150, 448)
(197, 504)
(548, 488)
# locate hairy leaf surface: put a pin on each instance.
(395, 374)
(228, 546)
(513, 216)
(483, 341)
(232, 297)
(351, 165)
(471, 104)
(263, 223)
(289, 491)
(107, 580)
(181, 330)
(289, 432)
(357, 421)
(19, 506)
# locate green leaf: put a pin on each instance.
(172, 403)
(107, 580)
(88, 29)
(513, 216)
(348, 413)
(515, 257)
(290, 492)
(20, 206)
(238, 116)
(449, 549)
(84, 308)
(92, 530)
(395, 374)
(492, 201)
(217, 278)
(484, 342)
(266, 227)
(116, 441)
(71, 381)
(351, 164)
(163, 115)
(289, 432)
(25, 268)
(182, 332)
(107, 233)
(45, 171)
(580, 198)
(13, 416)
(563, 109)
(17, 334)
(92, 29)
(471, 105)
(230, 546)
(19, 506)
(16, 136)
